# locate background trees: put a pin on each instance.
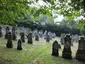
(29, 11)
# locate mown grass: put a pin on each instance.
(37, 53)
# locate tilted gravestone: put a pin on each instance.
(22, 36)
(9, 41)
(14, 33)
(7, 31)
(30, 38)
(55, 48)
(1, 31)
(19, 45)
(67, 54)
(80, 55)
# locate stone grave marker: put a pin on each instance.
(67, 54)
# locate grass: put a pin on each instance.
(38, 53)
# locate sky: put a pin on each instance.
(57, 17)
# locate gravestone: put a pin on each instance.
(41, 33)
(47, 38)
(45, 32)
(72, 39)
(22, 36)
(19, 45)
(7, 31)
(14, 33)
(36, 37)
(80, 55)
(9, 41)
(62, 38)
(1, 31)
(53, 35)
(50, 35)
(67, 54)
(29, 36)
(55, 48)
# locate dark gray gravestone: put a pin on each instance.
(55, 48)
(7, 31)
(80, 55)
(13, 33)
(67, 54)
(22, 36)
(9, 41)
(1, 31)
(36, 37)
(19, 45)
(30, 38)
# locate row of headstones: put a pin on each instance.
(67, 53)
(19, 45)
(9, 42)
(22, 39)
(14, 34)
(42, 33)
(22, 34)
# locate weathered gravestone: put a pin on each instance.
(80, 55)
(55, 48)
(9, 41)
(29, 36)
(1, 31)
(7, 31)
(19, 45)
(67, 54)
(22, 36)
(14, 33)
(36, 37)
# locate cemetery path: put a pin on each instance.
(39, 54)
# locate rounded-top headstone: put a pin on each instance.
(9, 41)
(19, 45)
(55, 48)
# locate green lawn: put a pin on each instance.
(38, 53)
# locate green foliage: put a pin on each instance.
(81, 24)
(11, 9)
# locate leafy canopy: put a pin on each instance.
(10, 10)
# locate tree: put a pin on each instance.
(18, 9)
(12, 9)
